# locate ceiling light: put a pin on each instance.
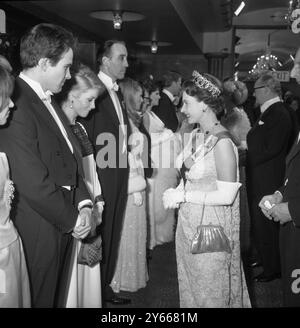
(117, 16)
(154, 47)
(240, 8)
(117, 21)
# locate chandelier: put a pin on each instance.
(266, 62)
(293, 16)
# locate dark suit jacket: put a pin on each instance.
(166, 111)
(295, 125)
(290, 231)
(102, 126)
(291, 188)
(44, 214)
(267, 148)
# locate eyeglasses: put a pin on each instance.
(262, 86)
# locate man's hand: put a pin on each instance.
(280, 213)
(267, 202)
(83, 224)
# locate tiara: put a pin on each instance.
(203, 83)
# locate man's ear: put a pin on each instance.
(105, 61)
(44, 63)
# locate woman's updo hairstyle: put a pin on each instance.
(236, 90)
(82, 79)
(207, 88)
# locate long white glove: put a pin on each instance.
(173, 197)
(224, 195)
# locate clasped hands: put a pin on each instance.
(87, 220)
(137, 198)
(173, 197)
(274, 209)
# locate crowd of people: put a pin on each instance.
(95, 174)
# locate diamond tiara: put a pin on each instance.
(203, 83)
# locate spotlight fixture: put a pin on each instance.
(117, 21)
(154, 47)
(117, 16)
(239, 8)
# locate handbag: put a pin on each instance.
(209, 238)
(90, 252)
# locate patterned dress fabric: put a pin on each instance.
(14, 283)
(131, 271)
(209, 280)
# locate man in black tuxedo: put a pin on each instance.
(166, 109)
(284, 207)
(52, 203)
(268, 142)
(108, 128)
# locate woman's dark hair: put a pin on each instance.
(105, 49)
(129, 87)
(45, 41)
(6, 86)
(214, 102)
(150, 85)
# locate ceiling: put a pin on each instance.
(180, 22)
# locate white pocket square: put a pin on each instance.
(261, 123)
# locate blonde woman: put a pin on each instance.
(131, 271)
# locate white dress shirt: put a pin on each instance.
(169, 94)
(46, 98)
(112, 87)
(269, 103)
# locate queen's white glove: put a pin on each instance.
(224, 195)
(173, 197)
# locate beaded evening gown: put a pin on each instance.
(14, 283)
(208, 279)
(165, 146)
(131, 271)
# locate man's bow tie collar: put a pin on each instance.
(115, 87)
(48, 95)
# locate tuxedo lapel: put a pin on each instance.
(109, 105)
(39, 107)
(124, 112)
(294, 151)
(72, 138)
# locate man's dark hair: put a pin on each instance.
(45, 41)
(169, 77)
(105, 49)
